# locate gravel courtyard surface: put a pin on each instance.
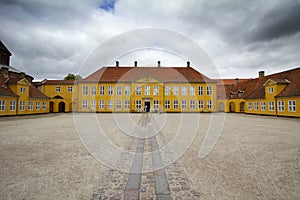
(256, 157)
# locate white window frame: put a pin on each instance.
(209, 90)
(118, 104)
(110, 90)
(138, 104)
(57, 89)
(30, 105)
(280, 106)
(183, 90)
(271, 105)
(138, 90)
(93, 90)
(167, 104)
(263, 105)
(175, 104)
(270, 90)
(167, 90)
(22, 105)
(84, 104)
(93, 104)
(70, 89)
(37, 105)
(110, 104)
(101, 104)
(292, 106)
(209, 104)
(102, 90)
(255, 105)
(22, 90)
(192, 104)
(12, 105)
(127, 104)
(175, 90)
(147, 90)
(192, 90)
(85, 90)
(200, 90)
(44, 106)
(119, 90)
(155, 90)
(249, 105)
(127, 90)
(155, 104)
(2, 105)
(183, 104)
(201, 104)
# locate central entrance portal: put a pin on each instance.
(147, 106)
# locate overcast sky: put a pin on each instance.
(50, 38)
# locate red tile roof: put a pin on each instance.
(254, 88)
(35, 93)
(165, 74)
(4, 89)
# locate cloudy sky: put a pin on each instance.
(50, 38)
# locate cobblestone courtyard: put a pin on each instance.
(44, 157)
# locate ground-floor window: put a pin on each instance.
(22, 105)
(30, 105)
(167, 104)
(292, 105)
(271, 105)
(101, 104)
(209, 104)
(84, 104)
(44, 105)
(155, 104)
(280, 105)
(118, 104)
(93, 104)
(175, 104)
(12, 105)
(37, 105)
(249, 106)
(183, 104)
(200, 104)
(255, 105)
(263, 105)
(2, 105)
(127, 104)
(192, 104)
(138, 104)
(110, 104)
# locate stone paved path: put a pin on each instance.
(143, 182)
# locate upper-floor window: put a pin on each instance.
(138, 104)
(22, 90)
(167, 90)
(127, 104)
(200, 90)
(280, 105)
(155, 90)
(270, 90)
(2, 105)
(127, 90)
(70, 88)
(93, 91)
(175, 90)
(57, 89)
(192, 90)
(101, 89)
(209, 90)
(292, 105)
(183, 90)
(138, 90)
(147, 90)
(110, 90)
(85, 90)
(119, 90)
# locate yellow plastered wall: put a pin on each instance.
(6, 108)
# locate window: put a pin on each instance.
(22, 90)
(101, 89)
(271, 105)
(93, 104)
(280, 105)
(44, 105)
(249, 106)
(22, 105)
(138, 90)
(30, 105)
(70, 89)
(85, 90)
(110, 90)
(147, 90)
(192, 90)
(200, 90)
(57, 89)
(101, 104)
(119, 90)
(2, 105)
(183, 104)
(209, 90)
(155, 104)
(167, 90)
(84, 104)
(200, 104)
(127, 90)
(192, 104)
(255, 105)
(93, 91)
(155, 90)
(270, 90)
(209, 104)
(175, 90)
(127, 104)
(110, 104)
(12, 105)
(183, 90)
(167, 104)
(37, 105)
(118, 104)
(138, 104)
(175, 104)
(263, 105)
(292, 105)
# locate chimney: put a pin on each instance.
(135, 63)
(261, 74)
(236, 81)
(4, 71)
(158, 63)
(117, 64)
(188, 64)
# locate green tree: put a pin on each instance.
(73, 77)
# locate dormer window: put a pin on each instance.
(240, 93)
(22, 90)
(270, 90)
(232, 94)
